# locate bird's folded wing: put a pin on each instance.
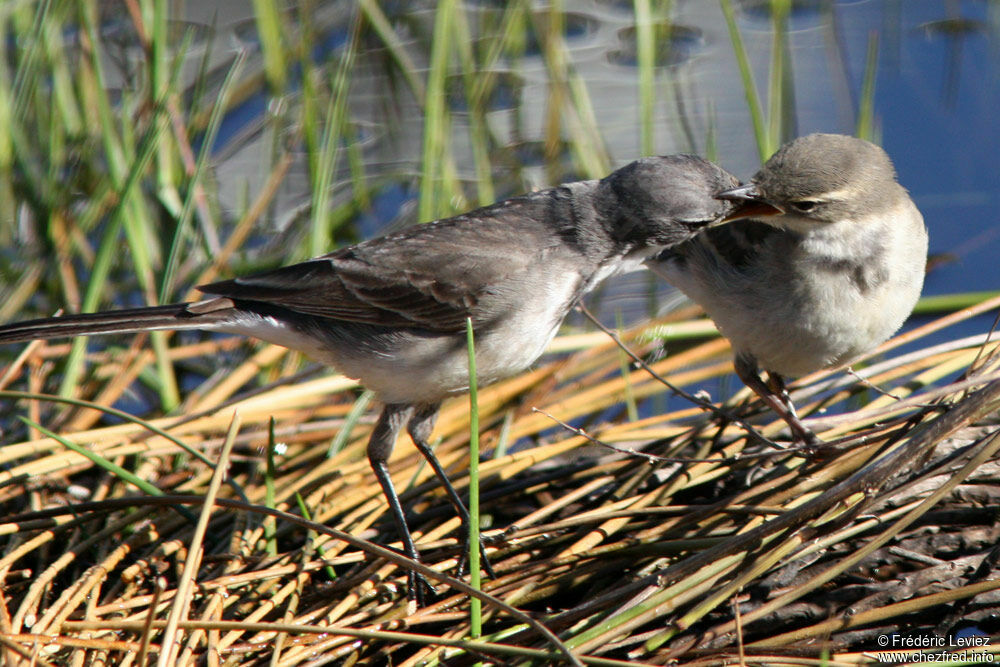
(429, 280)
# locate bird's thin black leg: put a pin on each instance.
(383, 438)
(420, 427)
(775, 397)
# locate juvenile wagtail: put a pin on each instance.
(828, 264)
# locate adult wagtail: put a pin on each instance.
(828, 265)
(391, 312)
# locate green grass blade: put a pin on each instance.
(270, 526)
(125, 173)
(749, 87)
(949, 303)
(25, 80)
(435, 113)
(866, 107)
(103, 463)
(96, 459)
(645, 43)
(69, 118)
(569, 109)
(321, 231)
(182, 228)
(125, 416)
(304, 511)
(472, 73)
(781, 102)
(269, 30)
(380, 25)
(166, 85)
(475, 605)
(350, 421)
(160, 80)
(7, 198)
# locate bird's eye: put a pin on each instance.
(804, 205)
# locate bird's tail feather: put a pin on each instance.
(171, 317)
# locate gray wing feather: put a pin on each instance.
(430, 276)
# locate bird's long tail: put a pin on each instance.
(174, 316)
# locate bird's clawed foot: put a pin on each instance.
(463, 559)
(801, 434)
(775, 395)
(420, 591)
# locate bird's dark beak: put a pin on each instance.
(750, 203)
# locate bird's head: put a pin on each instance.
(665, 200)
(815, 181)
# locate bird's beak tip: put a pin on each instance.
(749, 203)
(740, 193)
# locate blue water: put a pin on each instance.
(936, 99)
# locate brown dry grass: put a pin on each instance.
(714, 548)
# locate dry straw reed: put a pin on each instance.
(685, 537)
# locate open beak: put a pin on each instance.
(749, 203)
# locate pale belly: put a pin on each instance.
(413, 366)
